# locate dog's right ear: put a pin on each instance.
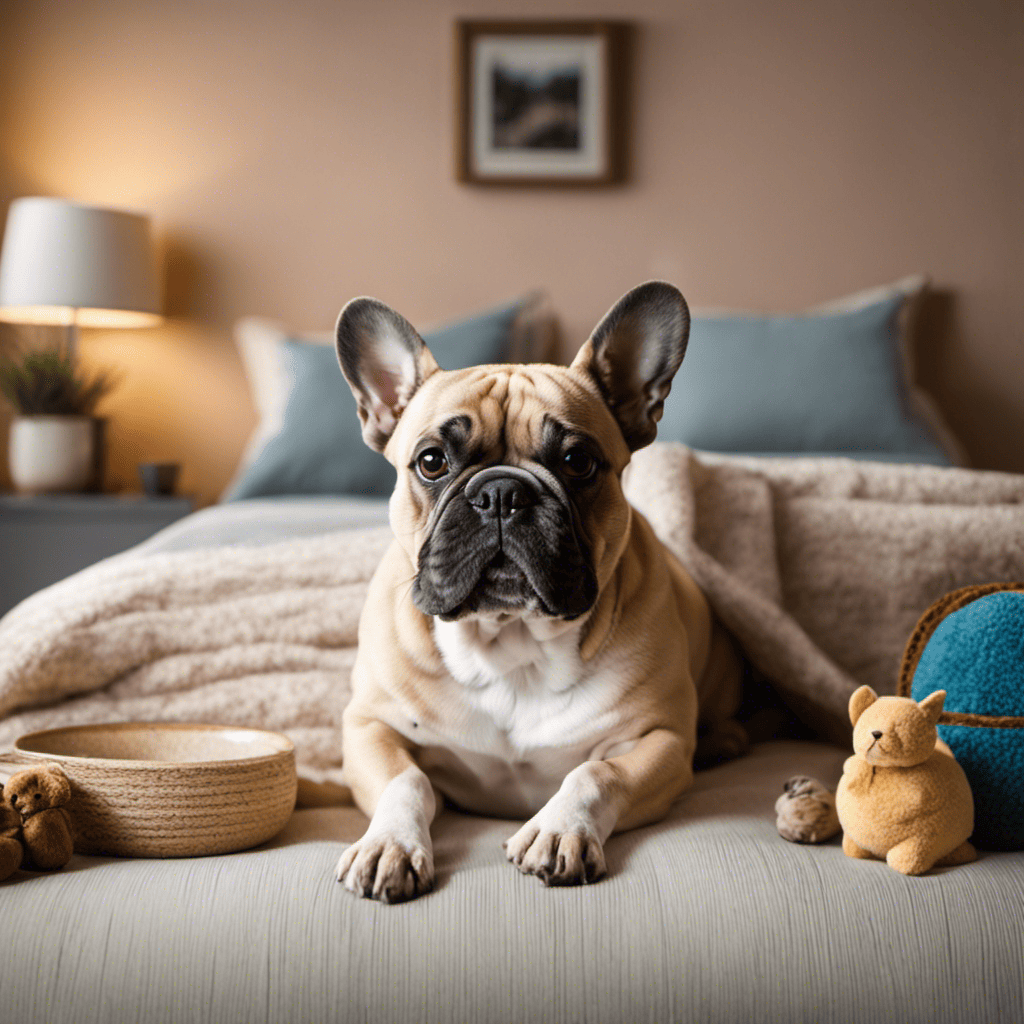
(384, 361)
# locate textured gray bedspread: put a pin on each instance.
(259, 521)
(709, 916)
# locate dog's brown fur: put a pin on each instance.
(641, 659)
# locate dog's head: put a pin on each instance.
(509, 500)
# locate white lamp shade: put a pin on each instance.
(65, 263)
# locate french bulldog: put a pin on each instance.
(528, 647)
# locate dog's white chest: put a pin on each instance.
(518, 674)
(528, 712)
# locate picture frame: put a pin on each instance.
(540, 102)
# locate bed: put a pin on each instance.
(819, 556)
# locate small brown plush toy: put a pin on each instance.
(11, 851)
(903, 798)
(38, 796)
(806, 811)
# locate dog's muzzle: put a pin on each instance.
(507, 541)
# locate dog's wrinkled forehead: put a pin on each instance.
(508, 413)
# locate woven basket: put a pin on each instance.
(979, 662)
(926, 626)
(170, 790)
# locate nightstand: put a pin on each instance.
(47, 537)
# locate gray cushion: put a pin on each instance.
(317, 447)
(813, 383)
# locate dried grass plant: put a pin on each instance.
(46, 382)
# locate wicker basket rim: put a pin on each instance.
(930, 621)
(286, 747)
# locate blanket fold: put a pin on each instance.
(258, 636)
(820, 567)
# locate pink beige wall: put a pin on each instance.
(296, 153)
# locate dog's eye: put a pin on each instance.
(432, 464)
(579, 464)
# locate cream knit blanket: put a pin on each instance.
(821, 567)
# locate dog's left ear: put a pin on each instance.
(633, 355)
(384, 361)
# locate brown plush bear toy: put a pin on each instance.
(38, 796)
(11, 850)
(903, 798)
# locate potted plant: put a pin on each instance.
(56, 440)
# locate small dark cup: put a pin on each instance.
(158, 478)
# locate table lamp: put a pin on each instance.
(69, 265)
(65, 264)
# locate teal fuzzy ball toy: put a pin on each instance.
(971, 644)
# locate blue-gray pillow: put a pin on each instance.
(316, 445)
(812, 383)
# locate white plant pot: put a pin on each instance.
(51, 453)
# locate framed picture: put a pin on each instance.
(539, 102)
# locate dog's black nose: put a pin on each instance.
(876, 733)
(501, 491)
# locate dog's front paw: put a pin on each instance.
(386, 868)
(569, 857)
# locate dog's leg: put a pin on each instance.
(720, 737)
(563, 842)
(393, 861)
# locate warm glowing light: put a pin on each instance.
(67, 316)
(71, 265)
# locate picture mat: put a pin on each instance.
(536, 56)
